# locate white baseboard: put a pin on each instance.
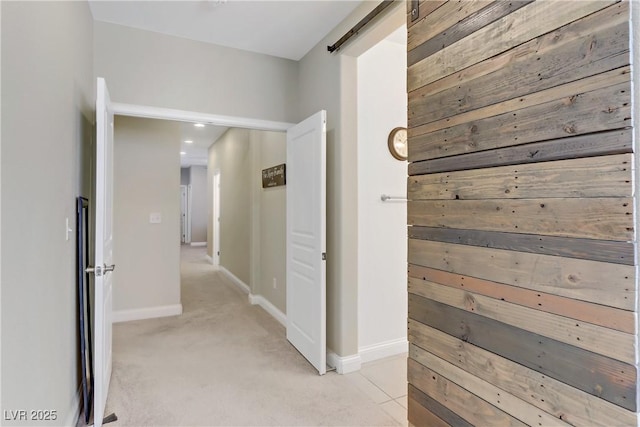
(147, 313)
(243, 286)
(344, 364)
(269, 308)
(198, 243)
(209, 258)
(384, 349)
(75, 408)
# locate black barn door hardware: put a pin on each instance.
(364, 21)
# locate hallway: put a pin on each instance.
(225, 362)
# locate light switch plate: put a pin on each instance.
(155, 218)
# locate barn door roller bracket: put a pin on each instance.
(415, 9)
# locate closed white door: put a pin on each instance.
(183, 214)
(103, 251)
(306, 239)
(216, 218)
(189, 212)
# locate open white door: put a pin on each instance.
(306, 239)
(103, 252)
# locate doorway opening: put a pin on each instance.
(148, 200)
(382, 237)
(251, 250)
(266, 147)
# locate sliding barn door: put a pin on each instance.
(522, 277)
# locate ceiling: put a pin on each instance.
(196, 152)
(283, 28)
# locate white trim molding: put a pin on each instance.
(198, 243)
(208, 258)
(147, 313)
(243, 286)
(384, 349)
(121, 109)
(344, 364)
(269, 308)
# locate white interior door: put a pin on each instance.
(306, 239)
(103, 252)
(189, 210)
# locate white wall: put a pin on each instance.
(382, 232)
(199, 203)
(146, 180)
(146, 68)
(47, 99)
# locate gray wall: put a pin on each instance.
(199, 205)
(47, 136)
(142, 67)
(319, 89)
(231, 155)
(252, 219)
(146, 180)
(270, 234)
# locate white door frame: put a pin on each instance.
(216, 209)
(131, 110)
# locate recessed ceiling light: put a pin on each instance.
(188, 141)
(199, 125)
(182, 153)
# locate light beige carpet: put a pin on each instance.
(224, 362)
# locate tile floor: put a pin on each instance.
(385, 382)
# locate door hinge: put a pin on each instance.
(324, 256)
